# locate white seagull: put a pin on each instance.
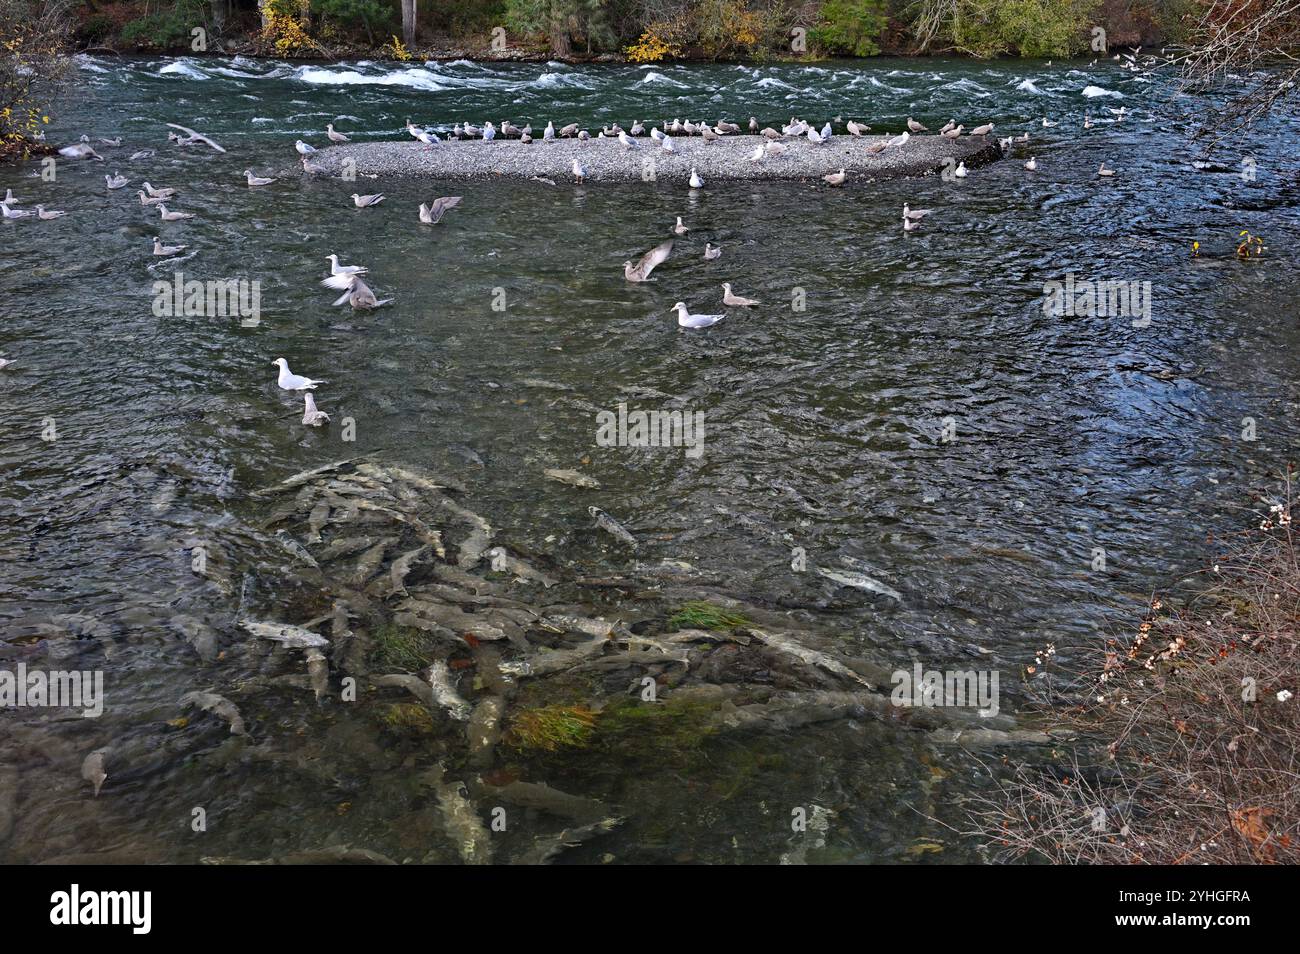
(687, 320)
(290, 381)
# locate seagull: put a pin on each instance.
(290, 381)
(5, 362)
(679, 228)
(960, 171)
(916, 127)
(856, 129)
(954, 133)
(1032, 164)
(569, 130)
(579, 172)
(667, 143)
(708, 135)
(426, 137)
(1087, 121)
(1020, 139)
(304, 150)
(583, 135)
(115, 181)
(80, 151)
(9, 198)
(757, 154)
(770, 134)
(142, 154)
(950, 124)
(687, 320)
(627, 141)
(356, 293)
(13, 213)
(196, 137)
(899, 140)
(489, 131)
(640, 272)
(814, 136)
(310, 415)
(548, 134)
(753, 124)
(173, 216)
(774, 149)
(509, 129)
(982, 130)
(337, 269)
(366, 201)
(335, 136)
(878, 147)
(696, 181)
(835, 178)
(712, 252)
(1101, 171)
(909, 225)
(158, 193)
(413, 129)
(732, 300)
(657, 134)
(41, 213)
(1048, 124)
(112, 142)
(256, 180)
(826, 132)
(725, 127)
(915, 215)
(432, 213)
(160, 249)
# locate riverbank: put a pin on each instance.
(606, 160)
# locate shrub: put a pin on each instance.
(851, 27)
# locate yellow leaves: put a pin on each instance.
(651, 49)
(397, 50)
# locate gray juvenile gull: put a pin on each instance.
(164, 193)
(366, 201)
(290, 381)
(835, 178)
(949, 125)
(42, 213)
(914, 126)
(334, 135)
(856, 129)
(115, 181)
(196, 137)
(640, 272)
(146, 200)
(687, 320)
(432, 213)
(735, 301)
(311, 416)
(253, 180)
(953, 133)
(982, 130)
(358, 294)
(160, 249)
(173, 216)
(711, 252)
(569, 130)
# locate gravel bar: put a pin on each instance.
(606, 160)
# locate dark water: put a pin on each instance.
(824, 426)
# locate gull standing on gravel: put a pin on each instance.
(732, 300)
(667, 142)
(432, 213)
(293, 382)
(366, 201)
(953, 133)
(548, 134)
(712, 252)
(334, 135)
(982, 130)
(173, 216)
(757, 154)
(304, 150)
(898, 140)
(627, 141)
(814, 136)
(687, 320)
(640, 271)
(658, 135)
(253, 180)
(311, 416)
(115, 181)
(160, 249)
(856, 129)
(696, 182)
(916, 127)
(489, 131)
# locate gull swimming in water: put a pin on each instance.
(640, 272)
(9, 198)
(835, 178)
(432, 213)
(1032, 164)
(357, 293)
(80, 151)
(160, 249)
(173, 216)
(366, 201)
(112, 142)
(5, 362)
(142, 154)
(1087, 121)
(732, 300)
(195, 137)
(9, 213)
(337, 269)
(909, 225)
(293, 382)
(164, 193)
(41, 213)
(696, 181)
(915, 215)
(579, 171)
(115, 181)
(335, 136)
(680, 228)
(1047, 124)
(146, 200)
(916, 127)
(253, 180)
(687, 320)
(960, 171)
(1103, 171)
(311, 416)
(712, 252)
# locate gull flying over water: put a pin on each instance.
(640, 271)
(115, 181)
(366, 201)
(195, 137)
(253, 180)
(686, 320)
(432, 213)
(293, 382)
(160, 249)
(311, 416)
(732, 300)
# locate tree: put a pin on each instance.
(33, 35)
(408, 22)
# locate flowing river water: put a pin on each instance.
(921, 422)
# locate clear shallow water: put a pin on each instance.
(823, 426)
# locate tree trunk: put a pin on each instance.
(408, 22)
(262, 9)
(560, 37)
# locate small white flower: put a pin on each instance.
(1284, 695)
